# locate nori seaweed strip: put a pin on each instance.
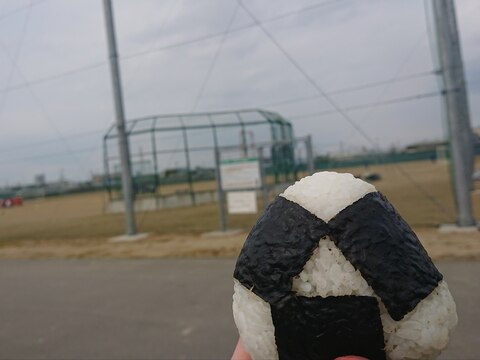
(380, 244)
(325, 328)
(277, 248)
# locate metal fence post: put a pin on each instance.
(309, 150)
(220, 193)
(189, 171)
(155, 161)
(264, 185)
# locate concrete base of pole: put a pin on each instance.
(454, 228)
(128, 238)
(219, 233)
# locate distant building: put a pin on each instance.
(425, 146)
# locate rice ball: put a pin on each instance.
(331, 269)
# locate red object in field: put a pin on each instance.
(9, 202)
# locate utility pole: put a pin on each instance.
(456, 104)
(127, 187)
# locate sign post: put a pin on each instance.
(240, 179)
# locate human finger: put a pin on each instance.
(240, 353)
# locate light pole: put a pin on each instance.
(127, 184)
(456, 104)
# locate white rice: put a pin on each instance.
(421, 334)
(254, 321)
(326, 193)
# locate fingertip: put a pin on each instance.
(240, 353)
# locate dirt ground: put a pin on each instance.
(439, 246)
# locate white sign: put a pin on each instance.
(240, 174)
(242, 202)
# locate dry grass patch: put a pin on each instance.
(77, 225)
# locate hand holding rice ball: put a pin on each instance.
(331, 269)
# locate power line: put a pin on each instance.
(306, 75)
(220, 34)
(62, 153)
(371, 104)
(43, 109)
(174, 4)
(20, 9)
(166, 47)
(300, 116)
(402, 171)
(296, 117)
(211, 36)
(445, 210)
(353, 88)
(323, 93)
(387, 85)
(55, 76)
(383, 82)
(397, 74)
(214, 60)
(16, 56)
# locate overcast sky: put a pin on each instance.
(56, 126)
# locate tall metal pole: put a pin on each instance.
(309, 153)
(127, 187)
(455, 97)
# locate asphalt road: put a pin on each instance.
(153, 309)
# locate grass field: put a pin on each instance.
(80, 219)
